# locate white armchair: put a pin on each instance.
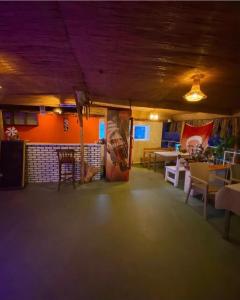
(172, 172)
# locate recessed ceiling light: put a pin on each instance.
(153, 116)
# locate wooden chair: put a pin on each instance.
(200, 183)
(66, 162)
(161, 161)
(229, 157)
(149, 159)
(235, 173)
(175, 171)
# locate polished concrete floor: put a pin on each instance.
(114, 241)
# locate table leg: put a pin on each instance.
(226, 173)
(155, 162)
(187, 181)
(227, 223)
(149, 160)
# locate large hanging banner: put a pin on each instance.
(195, 135)
(117, 164)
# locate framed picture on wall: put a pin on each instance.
(141, 132)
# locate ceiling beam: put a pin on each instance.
(174, 105)
(39, 99)
(197, 116)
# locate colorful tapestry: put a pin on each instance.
(195, 135)
(117, 158)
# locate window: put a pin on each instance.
(20, 118)
(102, 130)
(141, 132)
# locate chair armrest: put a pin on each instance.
(199, 180)
(227, 181)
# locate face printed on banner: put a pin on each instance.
(193, 141)
(193, 136)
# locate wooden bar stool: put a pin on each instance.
(66, 162)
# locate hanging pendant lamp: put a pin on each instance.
(195, 94)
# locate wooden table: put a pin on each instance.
(147, 152)
(171, 154)
(166, 156)
(219, 167)
(228, 198)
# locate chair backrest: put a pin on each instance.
(180, 162)
(157, 149)
(237, 158)
(235, 171)
(148, 152)
(200, 170)
(66, 155)
(229, 157)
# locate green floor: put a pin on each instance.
(114, 241)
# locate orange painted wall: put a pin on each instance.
(51, 130)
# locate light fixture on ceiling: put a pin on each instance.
(195, 94)
(153, 116)
(57, 110)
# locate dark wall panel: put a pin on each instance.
(12, 164)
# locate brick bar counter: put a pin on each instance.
(42, 160)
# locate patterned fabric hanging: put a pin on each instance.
(65, 124)
(223, 127)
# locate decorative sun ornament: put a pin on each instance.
(195, 94)
(11, 132)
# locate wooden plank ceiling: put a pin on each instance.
(121, 51)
